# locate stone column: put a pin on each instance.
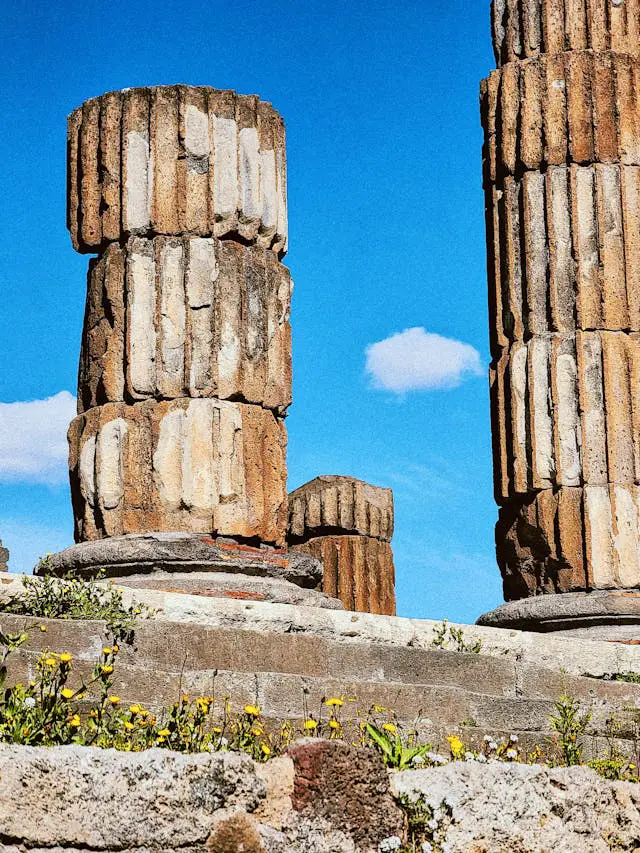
(347, 524)
(4, 558)
(561, 118)
(178, 452)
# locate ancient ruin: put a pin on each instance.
(562, 183)
(4, 558)
(347, 525)
(178, 453)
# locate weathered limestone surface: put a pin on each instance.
(358, 570)
(344, 504)
(176, 160)
(522, 28)
(4, 558)
(192, 465)
(179, 317)
(577, 107)
(324, 797)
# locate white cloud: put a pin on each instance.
(416, 360)
(33, 439)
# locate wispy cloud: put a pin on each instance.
(33, 439)
(417, 360)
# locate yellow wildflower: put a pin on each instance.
(265, 749)
(456, 746)
(93, 714)
(135, 709)
(185, 698)
(256, 731)
(50, 662)
(161, 740)
(334, 702)
(252, 710)
(129, 726)
(389, 727)
(310, 725)
(107, 669)
(217, 730)
(75, 721)
(164, 732)
(115, 700)
(334, 724)
(379, 709)
(67, 693)
(65, 657)
(107, 651)
(44, 629)
(115, 649)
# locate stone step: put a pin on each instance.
(284, 673)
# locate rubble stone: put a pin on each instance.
(522, 28)
(193, 317)
(176, 160)
(190, 465)
(358, 570)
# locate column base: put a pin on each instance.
(612, 615)
(198, 565)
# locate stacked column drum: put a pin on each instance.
(561, 117)
(347, 524)
(185, 370)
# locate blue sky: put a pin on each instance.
(380, 101)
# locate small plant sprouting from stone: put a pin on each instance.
(398, 751)
(425, 826)
(447, 636)
(69, 597)
(570, 723)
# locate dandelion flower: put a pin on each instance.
(44, 629)
(129, 726)
(107, 651)
(265, 749)
(164, 732)
(252, 710)
(334, 724)
(115, 700)
(65, 657)
(334, 702)
(389, 727)
(67, 693)
(310, 725)
(74, 722)
(107, 669)
(135, 709)
(50, 662)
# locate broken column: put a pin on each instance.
(347, 524)
(178, 452)
(4, 558)
(561, 117)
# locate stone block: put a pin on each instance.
(564, 252)
(176, 160)
(582, 538)
(4, 558)
(194, 466)
(174, 317)
(565, 412)
(358, 570)
(523, 29)
(577, 107)
(333, 503)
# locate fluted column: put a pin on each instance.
(178, 452)
(561, 117)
